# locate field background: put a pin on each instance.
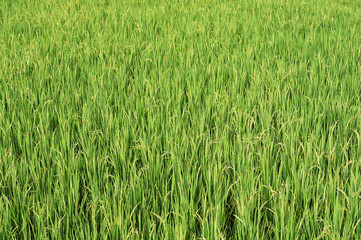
(184, 119)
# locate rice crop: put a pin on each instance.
(183, 119)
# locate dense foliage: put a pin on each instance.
(161, 119)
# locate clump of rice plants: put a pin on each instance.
(201, 119)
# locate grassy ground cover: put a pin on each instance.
(199, 119)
